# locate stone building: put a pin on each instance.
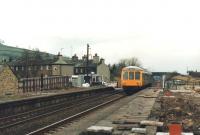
(24, 69)
(62, 68)
(8, 80)
(103, 69)
(29, 69)
(95, 66)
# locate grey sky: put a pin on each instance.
(164, 35)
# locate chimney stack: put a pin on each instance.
(96, 59)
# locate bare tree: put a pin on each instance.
(116, 69)
(130, 62)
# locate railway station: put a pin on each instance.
(139, 102)
(99, 67)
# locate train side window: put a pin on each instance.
(125, 76)
(131, 75)
(137, 75)
(145, 77)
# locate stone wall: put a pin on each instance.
(67, 70)
(8, 81)
(104, 70)
(62, 70)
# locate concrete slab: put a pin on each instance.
(139, 130)
(100, 129)
(135, 111)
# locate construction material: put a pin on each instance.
(151, 123)
(126, 121)
(126, 126)
(139, 130)
(100, 129)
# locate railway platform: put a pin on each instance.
(23, 116)
(117, 118)
(129, 116)
(26, 104)
(44, 93)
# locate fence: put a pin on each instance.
(46, 83)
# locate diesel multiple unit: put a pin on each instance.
(135, 78)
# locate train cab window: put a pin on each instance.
(137, 75)
(125, 76)
(131, 75)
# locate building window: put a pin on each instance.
(41, 67)
(55, 68)
(22, 68)
(76, 70)
(16, 68)
(29, 68)
(81, 70)
(47, 67)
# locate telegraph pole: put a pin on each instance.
(87, 60)
(87, 78)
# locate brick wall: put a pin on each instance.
(8, 81)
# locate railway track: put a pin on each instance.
(70, 118)
(27, 122)
(8, 121)
(52, 127)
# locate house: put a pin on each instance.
(103, 70)
(27, 74)
(8, 80)
(194, 73)
(62, 68)
(95, 66)
(37, 68)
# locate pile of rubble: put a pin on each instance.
(182, 108)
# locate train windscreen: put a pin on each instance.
(131, 75)
(125, 76)
(137, 75)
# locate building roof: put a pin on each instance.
(194, 74)
(60, 62)
(82, 63)
(31, 62)
(181, 77)
(134, 67)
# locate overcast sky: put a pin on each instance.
(163, 34)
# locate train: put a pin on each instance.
(134, 78)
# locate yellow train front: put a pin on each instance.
(134, 78)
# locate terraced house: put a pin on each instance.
(17, 64)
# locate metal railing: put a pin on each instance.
(46, 83)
